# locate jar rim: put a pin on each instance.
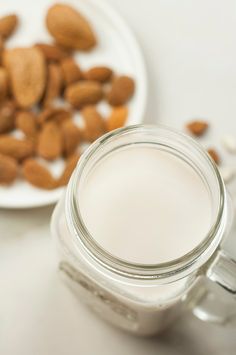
(175, 268)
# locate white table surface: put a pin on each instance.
(190, 52)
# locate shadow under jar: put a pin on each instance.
(139, 231)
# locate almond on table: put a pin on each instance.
(16, 148)
(94, 124)
(197, 127)
(70, 71)
(26, 122)
(4, 84)
(55, 114)
(38, 175)
(69, 28)
(52, 52)
(84, 93)
(117, 118)
(54, 84)
(7, 116)
(8, 25)
(71, 136)
(122, 89)
(8, 169)
(68, 170)
(99, 73)
(214, 155)
(50, 144)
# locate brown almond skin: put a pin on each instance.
(58, 115)
(100, 74)
(197, 127)
(8, 25)
(16, 148)
(37, 175)
(94, 124)
(70, 71)
(4, 84)
(71, 137)
(84, 93)
(52, 52)
(121, 91)
(27, 72)
(1, 49)
(68, 170)
(7, 116)
(117, 118)
(214, 155)
(26, 122)
(8, 169)
(69, 28)
(50, 141)
(54, 84)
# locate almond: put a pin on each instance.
(7, 116)
(27, 123)
(26, 68)
(52, 52)
(121, 91)
(94, 124)
(38, 175)
(71, 137)
(69, 28)
(3, 84)
(117, 118)
(16, 148)
(8, 25)
(55, 114)
(70, 71)
(54, 84)
(214, 155)
(84, 93)
(197, 128)
(101, 74)
(8, 169)
(50, 141)
(1, 49)
(68, 170)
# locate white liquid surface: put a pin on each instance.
(146, 206)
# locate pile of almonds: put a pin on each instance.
(31, 82)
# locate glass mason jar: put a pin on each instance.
(144, 298)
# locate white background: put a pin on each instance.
(189, 47)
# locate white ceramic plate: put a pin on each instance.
(116, 48)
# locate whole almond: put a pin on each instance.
(121, 91)
(68, 170)
(27, 123)
(26, 68)
(8, 169)
(3, 84)
(94, 123)
(50, 141)
(16, 148)
(38, 175)
(7, 116)
(8, 25)
(117, 118)
(56, 114)
(101, 74)
(54, 84)
(71, 137)
(52, 52)
(197, 127)
(69, 28)
(70, 71)
(84, 93)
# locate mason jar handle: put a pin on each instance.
(215, 299)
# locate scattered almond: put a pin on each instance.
(52, 52)
(16, 148)
(8, 169)
(84, 93)
(27, 123)
(26, 68)
(50, 141)
(55, 114)
(121, 91)
(117, 118)
(8, 25)
(94, 124)
(68, 170)
(70, 71)
(197, 128)
(3, 84)
(38, 175)
(69, 28)
(54, 84)
(214, 155)
(71, 137)
(101, 74)
(7, 116)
